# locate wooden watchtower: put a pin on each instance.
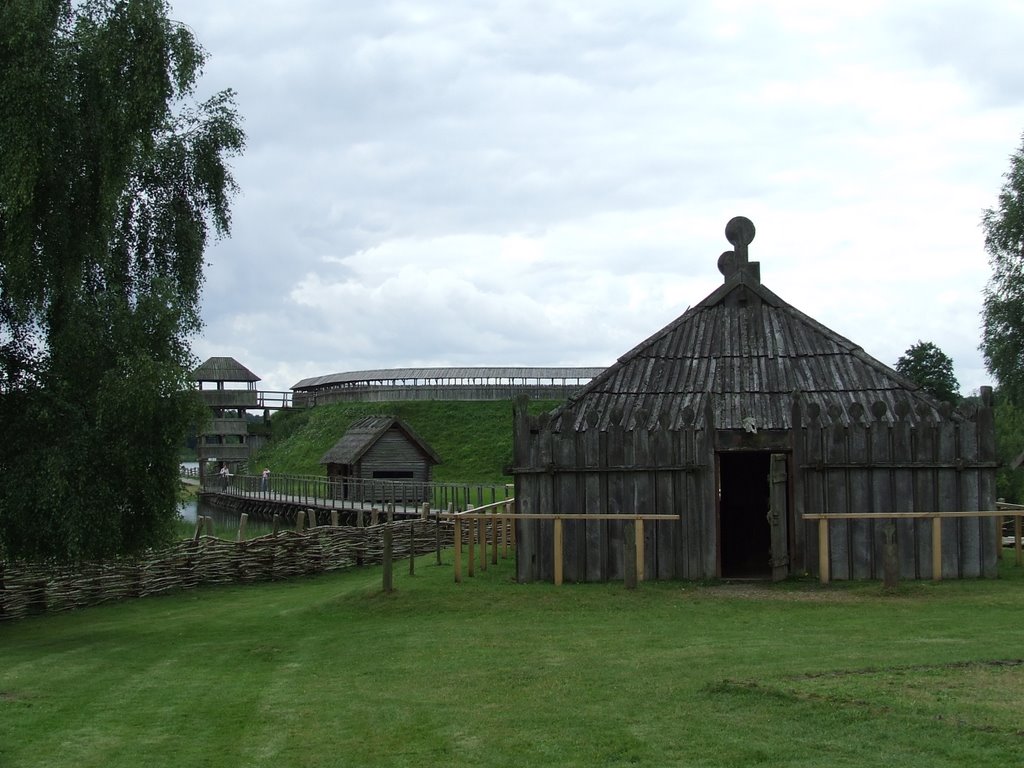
(229, 389)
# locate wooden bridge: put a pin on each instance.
(348, 501)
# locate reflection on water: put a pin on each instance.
(224, 524)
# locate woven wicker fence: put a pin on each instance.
(27, 589)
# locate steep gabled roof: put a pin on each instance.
(743, 352)
(223, 369)
(363, 433)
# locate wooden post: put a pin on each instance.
(200, 522)
(300, 518)
(412, 549)
(277, 523)
(823, 564)
(373, 516)
(425, 511)
(629, 547)
(334, 518)
(557, 546)
(391, 513)
(481, 525)
(208, 521)
(388, 575)
(458, 551)
(359, 518)
(495, 522)
(312, 518)
(890, 556)
(506, 525)
(472, 534)
(241, 526)
(1016, 537)
(936, 548)
(639, 549)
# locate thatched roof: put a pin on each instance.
(363, 433)
(745, 352)
(223, 369)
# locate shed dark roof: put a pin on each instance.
(223, 369)
(746, 351)
(364, 432)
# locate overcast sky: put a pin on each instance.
(548, 182)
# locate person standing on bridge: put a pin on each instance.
(224, 475)
(265, 479)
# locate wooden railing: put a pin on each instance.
(503, 513)
(824, 564)
(311, 489)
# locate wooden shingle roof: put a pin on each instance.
(743, 352)
(364, 432)
(223, 369)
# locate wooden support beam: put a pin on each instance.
(1016, 537)
(458, 551)
(639, 549)
(557, 546)
(824, 567)
(936, 549)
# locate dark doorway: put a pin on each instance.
(744, 532)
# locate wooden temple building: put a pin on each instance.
(738, 419)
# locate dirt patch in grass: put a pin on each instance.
(754, 590)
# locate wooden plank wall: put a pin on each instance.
(619, 470)
(874, 464)
(853, 460)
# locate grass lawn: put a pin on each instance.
(332, 672)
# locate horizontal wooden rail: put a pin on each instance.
(1004, 510)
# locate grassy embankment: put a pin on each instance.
(473, 439)
(330, 671)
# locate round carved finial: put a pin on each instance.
(727, 263)
(740, 231)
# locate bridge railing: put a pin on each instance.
(310, 489)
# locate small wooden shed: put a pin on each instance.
(381, 458)
(738, 419)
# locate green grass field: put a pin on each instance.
(332, 672)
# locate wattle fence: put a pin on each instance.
(27, 589)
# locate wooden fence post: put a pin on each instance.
(936, 548)
(300, 519)
(458, 551)
(388, 575)
(1016, 537)
(412, 548)
(629, 553)
(312, 518)
(824, 569)
(277, 523)
(890, 556)
(241, 526)
(481, 526)
(557, 546)
(495, 532)
(470, 553)
(639, 549)
(334, 518)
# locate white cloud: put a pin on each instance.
(545, 183)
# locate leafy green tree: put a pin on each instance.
(1003, 306)
(111, 178)
(931, 369)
